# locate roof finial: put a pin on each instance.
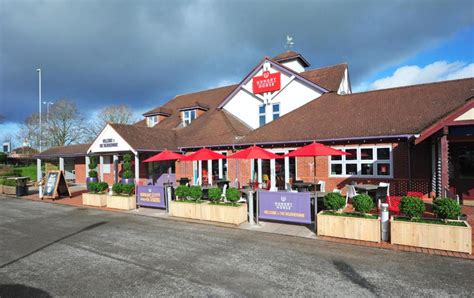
(289, 42)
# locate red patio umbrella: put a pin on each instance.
(204, 154)
(315, 149)
(165, 155)
(254, 152)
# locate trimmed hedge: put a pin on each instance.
(412, 207)
(117, 188)
(334, 201)
(128, 189)
(195, 193)
(232, 195)
(215, 194)
(362, 203)
(182, 191)
(446, 208)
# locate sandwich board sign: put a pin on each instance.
(56, 185)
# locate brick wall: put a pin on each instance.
(80, 169)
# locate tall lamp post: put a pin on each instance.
(47, 103)
(38, 161)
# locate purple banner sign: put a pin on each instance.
(151, 196)
(285, 206)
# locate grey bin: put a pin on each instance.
(21, 186)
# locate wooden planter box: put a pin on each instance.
(9, 190)
(226, 214)
(122, 202)
(91, 199)
(185, 209)
(209, 212)
(433, 236)
(349, 227)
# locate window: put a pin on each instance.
(276, 111)
(362, 161)
(106, 165)
(188, 117)
(261, 114)
(152, 121)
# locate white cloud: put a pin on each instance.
(434, 72)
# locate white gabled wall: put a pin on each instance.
(109, 141)
(344, 87)
(294, 65)
(293, 94)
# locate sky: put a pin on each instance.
(143, 53)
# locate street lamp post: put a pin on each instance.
(47, 103)
(38, 161)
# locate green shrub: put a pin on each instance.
(446, 208)
(182, 191)
(127, 166)
(412, 207)
(93, 187)
(195, 192)
(2, 181)
(215, 194)
(128, 189)
(9, 182)
(232, 195)
(334, 201)
(102, 187)
(93, 166)
(117, 188)
(362, 203)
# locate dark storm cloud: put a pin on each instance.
(144, 52)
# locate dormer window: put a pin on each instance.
(188, 117)
(152, 120)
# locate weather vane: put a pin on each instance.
(289, 42)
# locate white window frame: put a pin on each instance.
(359, 161)
(275, 113)
(262, 114)
(187, 118)
(152, 120)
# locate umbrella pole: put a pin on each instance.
(315, 195)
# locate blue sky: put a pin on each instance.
(142, 53)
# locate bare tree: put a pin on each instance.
(121, 114)
(29, 131)
(66, 125)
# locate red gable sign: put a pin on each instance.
(268, 82)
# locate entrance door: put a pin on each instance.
(462, 169)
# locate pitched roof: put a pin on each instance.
(146, 138)
(216, 127)
(159, 111)
(196, 105)
(396, 111)
(290, 55)
(328, 77)
(65, 151)
(211, 98)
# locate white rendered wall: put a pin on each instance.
(344, 87)
(294, 93)
(294, 65)
(469, 115)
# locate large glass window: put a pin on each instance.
(188, 117)
(362, 161)
(261, 115)
(276, 111)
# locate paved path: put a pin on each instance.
(61, 250)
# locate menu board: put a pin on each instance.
(56, 185)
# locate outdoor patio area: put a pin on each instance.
(297, 230)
